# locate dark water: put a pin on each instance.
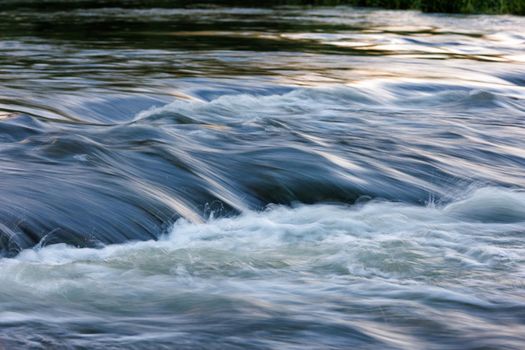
(316, 177)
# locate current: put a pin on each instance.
(287, 177)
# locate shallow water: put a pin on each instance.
(314, 177)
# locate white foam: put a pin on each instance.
(284, 260)
(373, 94)
(380, 237)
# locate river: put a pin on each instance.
(210, 177)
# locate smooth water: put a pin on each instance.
(285, 178)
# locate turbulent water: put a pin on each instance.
(285, 178)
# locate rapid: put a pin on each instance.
(266, 178)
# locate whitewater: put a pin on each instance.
(209, 177)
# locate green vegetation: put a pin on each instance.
(448, 6)
(475, 6)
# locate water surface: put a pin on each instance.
(218, 177)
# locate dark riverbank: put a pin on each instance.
(460, 6)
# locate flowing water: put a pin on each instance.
(280, 178)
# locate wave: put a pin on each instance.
(403, 261)
(486, 208)
(238, 105)
(97, 184)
